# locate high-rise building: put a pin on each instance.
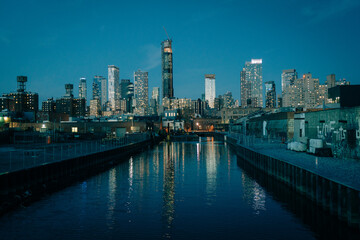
(287, 78)
(304, 92)
(113, 81)
(252, 84)
(244, 88)
(167, 69)
(95, 107)
(210, 92)
(198, 106)
(100, 90)
(82, 88)
(124, 88)
(330, 81)
(141, 92)
(270, 93)
(155, 101)
(228, 100)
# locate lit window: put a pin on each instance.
(74, 129)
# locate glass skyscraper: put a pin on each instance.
(82, 88)
(100, 89)
(210, 92)
(167, 69)
(270, 93)
(287, 78)
(113, 81)
(252, 84)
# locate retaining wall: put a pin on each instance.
(26, 185)
(340, 200)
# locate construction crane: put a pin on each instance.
(166, 33)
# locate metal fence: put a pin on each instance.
(12, 159)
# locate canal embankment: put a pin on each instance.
(331, 183)
(33, 173)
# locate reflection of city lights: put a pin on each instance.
(198, 151)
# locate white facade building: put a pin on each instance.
(113, 80)
(210, 91)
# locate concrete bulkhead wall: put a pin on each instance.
(339, 200)
(26, 185)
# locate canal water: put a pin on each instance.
(181, 190)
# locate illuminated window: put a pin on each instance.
(74, 129)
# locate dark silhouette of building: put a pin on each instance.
(167, 69)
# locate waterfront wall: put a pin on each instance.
(26, 185)
(339, 200)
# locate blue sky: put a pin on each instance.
(57, 42)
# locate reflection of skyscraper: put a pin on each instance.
(113, 80)
(141, 92)
(251, 84)
(211, 168)
(169, 187)
(210, 92)
(167, 69)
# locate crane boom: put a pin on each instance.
(166, 33)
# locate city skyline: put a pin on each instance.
(68, 44)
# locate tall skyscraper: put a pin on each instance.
(126, 94)
(330, 80)
(100, 90)
(210, 92)
(155, 101)
(113, 81)
(252, 84)
(244, 88)
(270, 93)
(82, 88)
(124, 85)
(141, 92)
(167, 69)
(287, 78)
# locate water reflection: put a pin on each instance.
(211, 170)
(175, 190)
(130, 190)
(253, 194)
(324, 225)
(168, 208)
(111, 198)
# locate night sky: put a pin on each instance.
(57, 42)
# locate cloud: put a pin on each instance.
(328, 9)
(152, 56)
